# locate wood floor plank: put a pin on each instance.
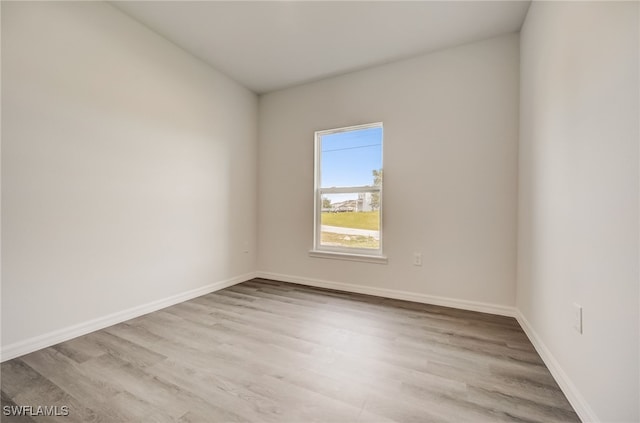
(77, 382)
(269, 351)
(39, 391)
(5, 401)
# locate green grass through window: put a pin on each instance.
(358, 220)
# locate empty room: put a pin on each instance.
(320, 211)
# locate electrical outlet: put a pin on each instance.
(417, 259)
(577, 317)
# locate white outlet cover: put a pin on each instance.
(577, 317)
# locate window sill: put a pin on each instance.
(347, 256)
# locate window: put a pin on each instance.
(348, 191)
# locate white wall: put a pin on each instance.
(450, 162)
(578, 197)
(128, 168)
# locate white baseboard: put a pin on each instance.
(577, 401)
(395, 294)
(46, 340)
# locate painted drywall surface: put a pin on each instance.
(128, 168)
(450, 156)
(578, 195)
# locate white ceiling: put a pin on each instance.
(269, 45)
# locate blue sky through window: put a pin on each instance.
(348, 158)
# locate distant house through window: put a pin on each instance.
(348, 190)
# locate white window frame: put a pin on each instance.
(345, 253)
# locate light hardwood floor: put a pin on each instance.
(266, 351)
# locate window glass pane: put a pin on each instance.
(350, 221)
(349, 158)
(349, 188)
